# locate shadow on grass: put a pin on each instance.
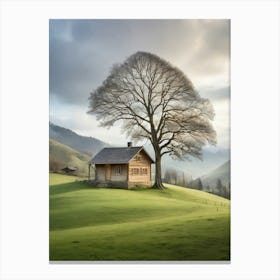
(70, 187)
(84, 185)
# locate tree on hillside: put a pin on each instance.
(167, 176)
(225, 192)
(156, 101)
(197, 184)
(174, 176)
(229, 191)
(171, 176)
(219, 186)
(184, 182)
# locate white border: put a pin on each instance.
(255, 138)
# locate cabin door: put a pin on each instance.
(107, 172)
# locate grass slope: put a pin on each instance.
(83, 144)
(63, 155)
(88, 223)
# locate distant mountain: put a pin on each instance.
(222, 173)
(86, 145)
(194, 168)
(62, 156)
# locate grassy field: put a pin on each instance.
(88, 223)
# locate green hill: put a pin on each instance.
(85, 145)
(88, 223)
(61, 155)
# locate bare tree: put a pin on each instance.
(156, 101)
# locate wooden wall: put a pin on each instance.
(100, 172)
(143, 165)
(115, 176)
(113, 172)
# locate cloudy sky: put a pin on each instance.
(83, 51)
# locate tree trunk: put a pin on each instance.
(158, 181)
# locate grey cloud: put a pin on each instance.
(72, 71)
(216, 94)
(83, 51)
(210, 53)
(216, 37)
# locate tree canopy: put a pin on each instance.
(156, 101)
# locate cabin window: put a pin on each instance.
(138, 171)
(135, 171)
(118, 170)
(144, 171)
(138, 158)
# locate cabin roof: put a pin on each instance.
(117, 155)
(69, 168)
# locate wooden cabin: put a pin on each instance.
(69, 169)
(125, 167)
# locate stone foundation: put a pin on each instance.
(120, 185)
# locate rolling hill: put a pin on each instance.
(222, 172)
(90, 146)
(86, 145)
(101, 224)
(61, 155)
